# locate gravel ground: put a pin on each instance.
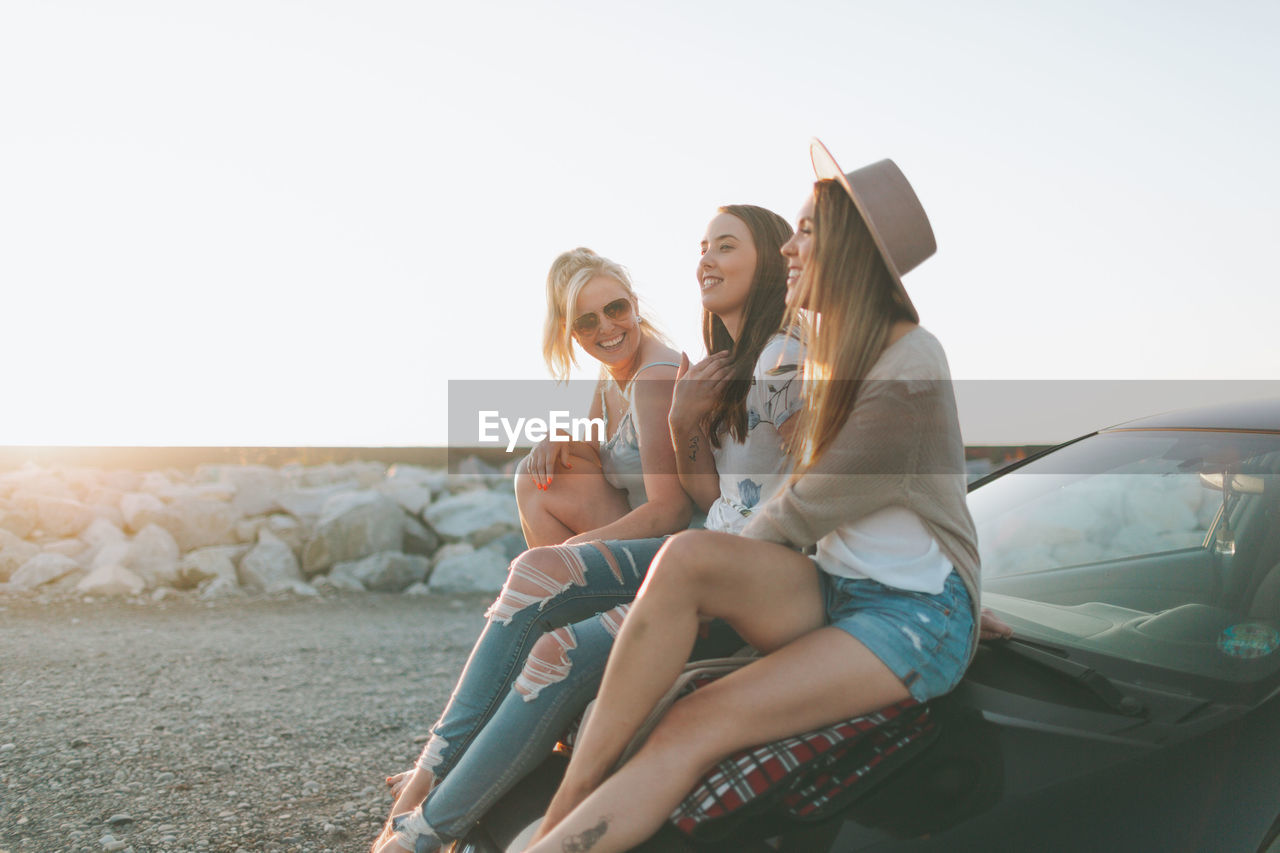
(254, 724)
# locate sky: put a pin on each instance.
(294, 223)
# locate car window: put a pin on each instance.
(1126, 543)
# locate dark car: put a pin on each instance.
(1136, 707)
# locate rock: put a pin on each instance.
(140, 509)
(299, 588)
(13, 553)
(62, 517)
(219, 587)
(389, 571)
(111, 580)
(345, 583)
(419, 538)
(288, 529)
(200, 523)
(458, 516)
(16, 521)
(153, 555)
(435, 479)
(270, 566)
(119, 819)
(353, 526)
(461, 568)
(412, 497)
(100, 533)
(510, 545)
(418, 589)
(307, 504)
(256, 486)
(72, 548)
(203, 564)
(42, 569)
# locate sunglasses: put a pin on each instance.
(619, 310)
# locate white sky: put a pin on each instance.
(292, 223)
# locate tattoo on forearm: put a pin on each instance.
(583, 842)
(693, 449)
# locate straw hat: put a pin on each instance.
(889, 206)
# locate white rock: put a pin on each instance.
(468, 571)
(389, 571)
(412, 497)
(307, 504)
(15, 520)
(353, 526)
(435, 479)
(201, 565)
(111, 580)
(270, 566)
(42, 569)
(62, 517)
(13, 553)
(458, 516)
(140, 509)
(73, 548)
(201, 522)
(339, 582)
(219, 587)
(153, 555)
(97, 536)
(256, 487)
(418, 589)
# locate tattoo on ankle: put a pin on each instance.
(583, 842)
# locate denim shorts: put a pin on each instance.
(924, 639)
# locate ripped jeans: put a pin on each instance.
(537, 664)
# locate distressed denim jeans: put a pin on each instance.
(513, 701)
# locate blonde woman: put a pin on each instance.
(888, 606)
(626, 486)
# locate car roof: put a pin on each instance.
(1250, 416)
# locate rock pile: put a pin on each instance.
(223, 530)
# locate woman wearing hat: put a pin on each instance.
(539, 660)
(885, 609)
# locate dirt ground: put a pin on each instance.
(255, 724)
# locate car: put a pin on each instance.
(1135, 708)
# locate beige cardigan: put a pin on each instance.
(900, 446)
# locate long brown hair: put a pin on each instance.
(761, 318)
(847, 304)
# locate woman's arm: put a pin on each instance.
(696, 391)
(667, 508)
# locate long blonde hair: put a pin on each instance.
(846, 303)
(569, 273)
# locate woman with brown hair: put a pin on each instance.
(887, 608)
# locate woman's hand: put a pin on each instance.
(698, 388)
(544, 460)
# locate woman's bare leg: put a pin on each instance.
(820, 678)
(769, 594)
(576, 501)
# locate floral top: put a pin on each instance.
(753, 470)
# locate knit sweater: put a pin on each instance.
(900, 446)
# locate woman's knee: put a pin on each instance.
(687, 557)
(535, 577)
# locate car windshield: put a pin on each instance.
(1157, 547)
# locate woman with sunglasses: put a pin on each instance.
(886, 609)
(624, 487)
(540, 658)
